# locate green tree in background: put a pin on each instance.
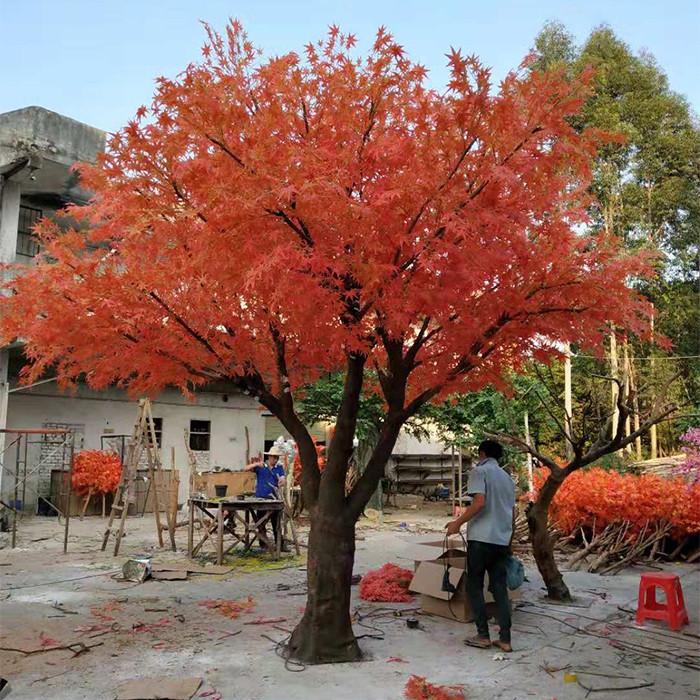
(648, 188)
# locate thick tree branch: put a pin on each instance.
(228, 152)
(186, 326)
(341, 447)
(526, 447)
(605, 444)
(299, 228)
(310, 474)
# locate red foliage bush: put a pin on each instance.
(296, 466)
(386, 585)
(595, 498)
(96, 470)
(418, 688)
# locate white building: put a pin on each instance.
(37, 149)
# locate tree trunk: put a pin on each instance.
(324, 634)
(542, 544)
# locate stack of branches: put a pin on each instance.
(521, 537)
(618, 546)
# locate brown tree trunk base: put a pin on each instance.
(325, 633)
(312, 644)
(543, 550)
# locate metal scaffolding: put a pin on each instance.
(61, 443)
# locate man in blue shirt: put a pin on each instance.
(491, 517)
(269, 478)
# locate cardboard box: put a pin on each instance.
(430, 563)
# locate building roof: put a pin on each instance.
(56, 136)
(39, 147)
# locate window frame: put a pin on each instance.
(26, 240)
(158, 421)
(200, 434)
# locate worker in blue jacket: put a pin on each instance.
(269, 481)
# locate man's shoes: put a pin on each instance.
(503, 646)
(478, 642)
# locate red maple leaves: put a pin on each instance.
(263, 218)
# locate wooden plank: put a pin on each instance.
(169, 575)
(220, 535)
(190, 530)
(190, 567)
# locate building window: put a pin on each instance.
(158, 425)
(200, 434)
(27, 243)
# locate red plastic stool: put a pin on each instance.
(648, 608)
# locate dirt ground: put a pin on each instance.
(161, 628)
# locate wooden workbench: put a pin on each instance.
(235, 519)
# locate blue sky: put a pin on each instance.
(96, 61)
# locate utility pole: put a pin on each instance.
(568, 404)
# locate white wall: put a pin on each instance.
(114, 411)
(408, 445)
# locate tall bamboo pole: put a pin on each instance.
(530, 481)
(568, 403)
(652, 430)
(461, 478)
(626, 374)
(635, 407)
(454, 482)
(614, 387)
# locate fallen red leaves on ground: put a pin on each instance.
(104, 612)
(149, 626)
(387, 585)
(417, 688)
(595, 498)
(229, 608)
(47, 641)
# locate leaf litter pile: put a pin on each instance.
(387, 585)
(418, 688)
(232, 609)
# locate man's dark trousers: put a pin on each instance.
(485, 557)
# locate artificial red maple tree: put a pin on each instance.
(266, 221)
